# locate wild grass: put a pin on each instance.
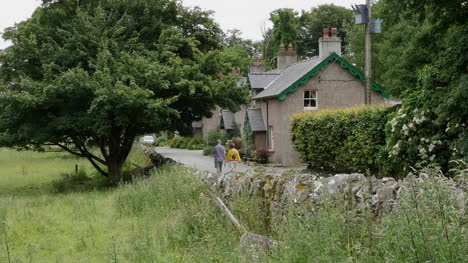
(63, 216)
(166, 218)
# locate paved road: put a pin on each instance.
(195, 159)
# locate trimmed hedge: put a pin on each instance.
(343, 140)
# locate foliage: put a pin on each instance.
(344, 140)
(208, 150)
(261, 155)
(312, 23)
(423, 227)
(233, 133)
(191, 143)
(303, 30)
(100, 73)
(238, 143)
(213, 136)
(421, 58)
(169, 217)
(248, 139)
(420, 134)
(161, 141)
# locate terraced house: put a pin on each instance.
(323, 82)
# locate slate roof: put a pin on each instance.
(228, 120)
(261, 80)
(288, 76)
(256, 119)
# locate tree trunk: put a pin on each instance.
(115, 170)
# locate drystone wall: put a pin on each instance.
(283, 190)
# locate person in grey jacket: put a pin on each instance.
(219, 154)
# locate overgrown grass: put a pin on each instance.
(166, 218)
(423, 227)
(170, 217)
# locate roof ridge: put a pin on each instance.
(300, 62)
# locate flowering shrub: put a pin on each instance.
(430, 127)
(344, 140)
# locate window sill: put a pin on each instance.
(310, 108)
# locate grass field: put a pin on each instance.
(51, 214)
(51, 217)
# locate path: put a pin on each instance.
(195, 159)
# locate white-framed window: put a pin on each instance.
(271, 138)
(310, 99)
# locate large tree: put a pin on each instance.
(312, 22)
(84, 74)
(421, 57)
(304, 30)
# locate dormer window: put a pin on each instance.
(310, 99)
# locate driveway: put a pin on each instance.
(195, 159)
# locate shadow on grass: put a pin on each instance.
(80, 182)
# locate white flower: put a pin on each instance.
(405, 129)
(431, 147)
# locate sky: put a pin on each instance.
(249, 16)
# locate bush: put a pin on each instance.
(430, 128)
(238, 143)
(261, 155)
(208, 150)
(344, 140)
(213, 136)
(160, 141)
(195, 143)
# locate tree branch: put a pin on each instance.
(68, 149)
(85, 152)
(82, 154)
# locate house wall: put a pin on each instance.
(197, 132)
(240, 117)
(260, 140)
(211, 123)
(336, 88)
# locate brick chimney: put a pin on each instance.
(286, 57)
(328, 45)
(257, 66)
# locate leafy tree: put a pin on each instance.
(238, 51)
(312, 23)
(303, 30)
(84, 74)
(422, 58)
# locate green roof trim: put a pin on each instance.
(316, 70)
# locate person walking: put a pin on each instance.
(218, 154)
(233, 157)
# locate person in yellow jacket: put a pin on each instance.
(232, 157)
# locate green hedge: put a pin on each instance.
(344, 140)
(195, 143)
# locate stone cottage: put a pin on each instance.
(222, 118)
(323, 82)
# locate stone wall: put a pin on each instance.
(282, 191)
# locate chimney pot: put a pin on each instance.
(333, 32)
(325, 32)
(282, 48)
(290, 47)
